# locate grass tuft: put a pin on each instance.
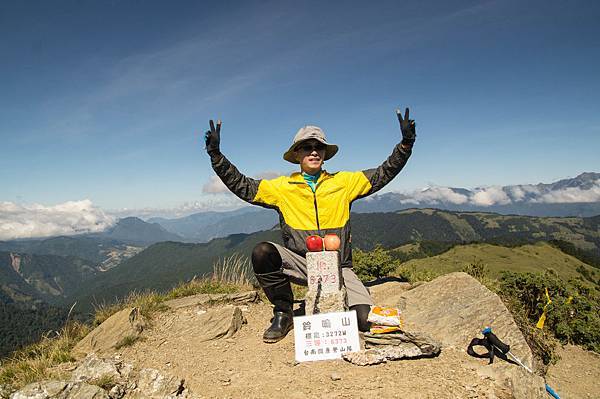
(128, 340)
(106, 382)
(35, 362)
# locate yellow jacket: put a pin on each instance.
(303, 212)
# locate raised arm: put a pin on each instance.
(242, 186)
(377, 178)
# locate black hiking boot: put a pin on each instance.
(281, 324)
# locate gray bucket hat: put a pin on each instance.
(307, 133)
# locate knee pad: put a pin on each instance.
(265, 258)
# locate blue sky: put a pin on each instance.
(107, 101)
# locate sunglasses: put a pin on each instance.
(310, 147)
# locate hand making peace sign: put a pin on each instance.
(407, 127)
(212, 138)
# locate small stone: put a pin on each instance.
(116, 392)
(335, 377)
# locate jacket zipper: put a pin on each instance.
(317, 211)
(314, 202)
(316, 208)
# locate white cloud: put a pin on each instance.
(268, 174)
(213, 202)
(489, 196)
(214, 186)
(517, 193)
(35, 220)
(437, 195)
(571, 194)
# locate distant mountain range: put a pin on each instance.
(579, 196)
(162, 265)
(203, 227)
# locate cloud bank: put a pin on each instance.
(68, 218)
(497, 195)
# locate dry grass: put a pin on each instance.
(235, 270)
(128, 340)
(36, 362)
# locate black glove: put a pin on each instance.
(407, 126)
(212, 138)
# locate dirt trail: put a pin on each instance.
(245, 367)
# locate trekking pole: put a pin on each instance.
(505, 349)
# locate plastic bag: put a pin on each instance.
(383, 316)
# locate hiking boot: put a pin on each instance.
(281, 324)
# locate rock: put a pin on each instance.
(368, 357)
(60, 390)
(454, 308)
(103, 339)
(335, 377)
(393, 346)
(206, 299)
(116, 392)
(218, 323)
(522, 384)
(151, 384)
(427, 345)
(94, 368)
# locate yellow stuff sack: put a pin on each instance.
(382, 316)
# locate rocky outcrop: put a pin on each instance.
(108, 378)
(222, 322)
(60, 390)
(210, 299)
(394, 346)
(455, 308)
(126, 324)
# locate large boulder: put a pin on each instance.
(222, 322)
(455, 308)
(126, 324)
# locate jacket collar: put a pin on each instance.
(297, 178)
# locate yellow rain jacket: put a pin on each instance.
(303, 212)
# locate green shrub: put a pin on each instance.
(574, 314)
(412, 274)
(375, 264)
(477, 269)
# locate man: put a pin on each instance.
(310, 202)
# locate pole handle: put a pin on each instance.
(495, 341)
